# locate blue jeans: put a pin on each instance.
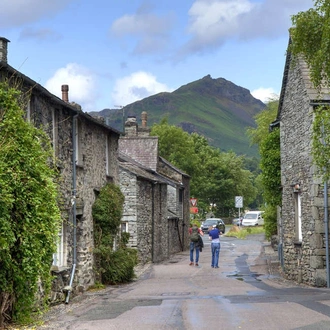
(215, 248)
(192, 248)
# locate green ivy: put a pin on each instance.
(29, 215)
(321, 141)
(111, 267)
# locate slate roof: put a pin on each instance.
(143, 172)
(173, 167)
(53, 98)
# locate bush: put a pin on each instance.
(111, 267)
(119, 266)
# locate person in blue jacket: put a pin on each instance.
(214, 236)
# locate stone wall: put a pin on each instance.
(303, 261)
(56, 119)
(146, 201)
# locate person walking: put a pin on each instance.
(194, 233)
(214, 236)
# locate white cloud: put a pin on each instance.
(265, 94)
(215, 19)
(19, 12)
(214, 22)
(82, 86)
(151, 31)
(137, 86)
(39, 34)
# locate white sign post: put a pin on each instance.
(239, 204)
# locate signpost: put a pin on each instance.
(239, 204)
(193, 206)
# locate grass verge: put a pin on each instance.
(242, 232)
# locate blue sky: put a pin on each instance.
(112, 53)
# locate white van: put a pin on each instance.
(253, 218)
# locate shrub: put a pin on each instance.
(111, 267)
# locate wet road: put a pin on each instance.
(241, 294)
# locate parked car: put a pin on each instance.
(253, 218)
(208, 224)
(237, 221)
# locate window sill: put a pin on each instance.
(59, 269)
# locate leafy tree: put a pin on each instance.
(29, 215)
(311, 40)
(176, 146)
(216, 178)
(269, 149)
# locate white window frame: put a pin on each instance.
(107, 156)
(298, 217)
(79, 158)
(124, 227)
(55, 131)
(59, 256)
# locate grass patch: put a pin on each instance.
(242, 232)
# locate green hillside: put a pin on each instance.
(215, 108)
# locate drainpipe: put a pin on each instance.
(326, 225)
(152, 219)
(74, 211)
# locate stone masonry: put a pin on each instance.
(303, 260)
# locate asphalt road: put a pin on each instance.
(246, 292)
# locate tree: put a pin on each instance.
(216, 177)
(269, 149)
(311, 39)
(29, 215)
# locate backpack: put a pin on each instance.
(194, 237)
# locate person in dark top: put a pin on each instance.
(194, 245)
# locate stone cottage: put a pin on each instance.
(156, 208)
(86, 151)
(301, 222)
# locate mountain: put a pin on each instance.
(215, 108)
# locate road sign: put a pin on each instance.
(193, 201)
(239, 201)
(193, 210)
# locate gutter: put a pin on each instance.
(74, 210)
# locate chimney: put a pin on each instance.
(3, 49)
(131, 127)
(144, 119)
(65, 93)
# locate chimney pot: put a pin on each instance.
(144, 119)
(65, 93)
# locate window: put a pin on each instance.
(55, 131)
(79, 158)
(181, 195)
(58, 257)
(124, 227)
(107, 155)
(298, 217)
(30, 108)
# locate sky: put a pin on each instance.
(112, 53)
